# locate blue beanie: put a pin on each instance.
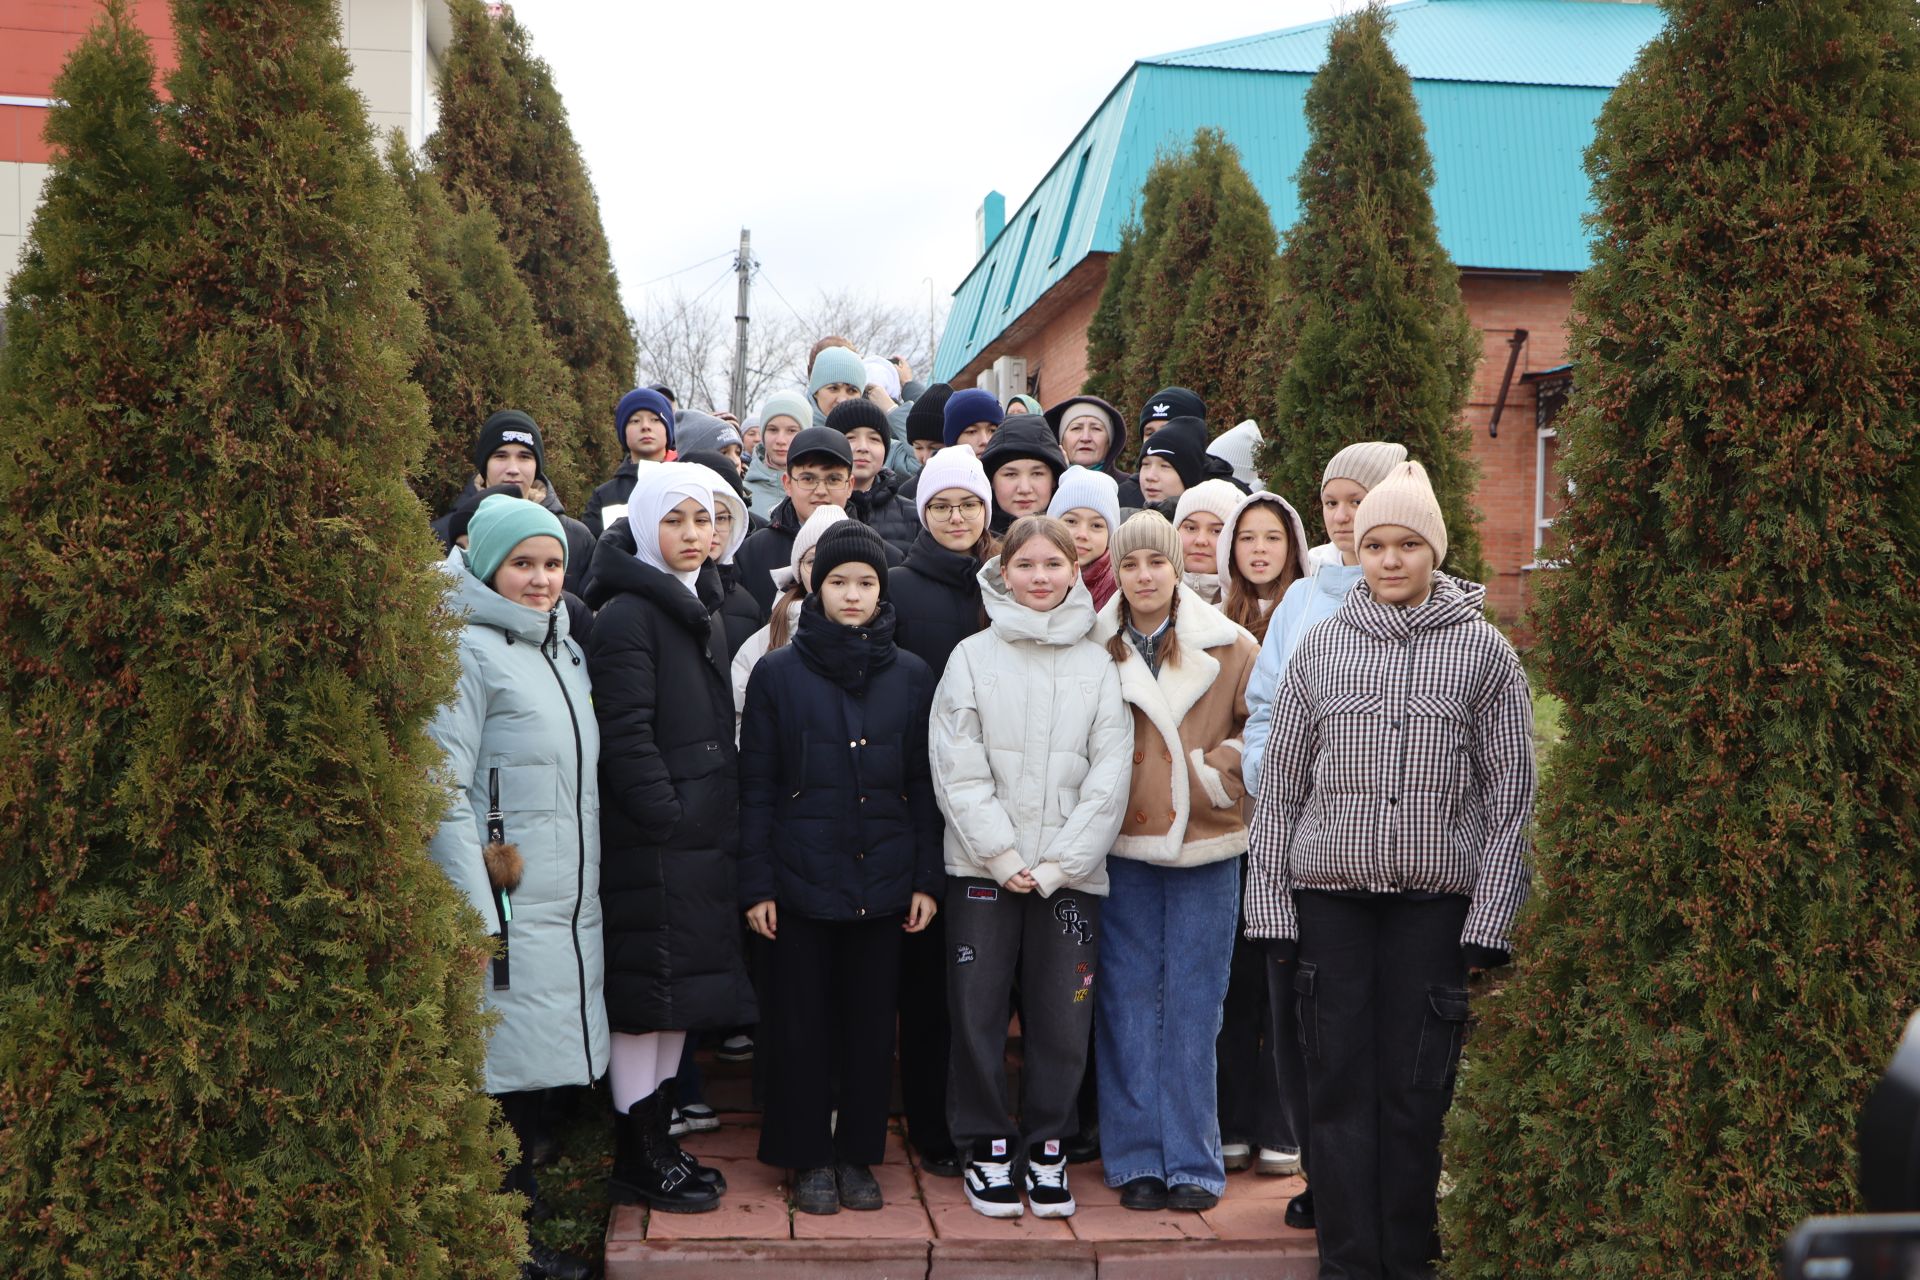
(641, 398)
(499, 525)
(964, 408)
(837, 364)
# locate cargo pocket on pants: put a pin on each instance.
(1442, 1030)
(1307, 1010)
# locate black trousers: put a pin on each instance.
(1381, 995)
(1289, 1068)
(832, 987)
(525, 1114)
(926, 1037)
(1251, 1110)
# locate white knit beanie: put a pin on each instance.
(822, 519)
(1366, 463)
(883, 373)
(955, 467)
(1093, 490)
(1404, 498)
(1236, 449)
(1216, 497)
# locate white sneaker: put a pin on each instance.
(678, 1126)
(990, 1189)
(1236, 1155)
(1046, 1177)
(1279, 1161)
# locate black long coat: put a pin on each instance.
(838, 819)
(936, 601)
(669, 796)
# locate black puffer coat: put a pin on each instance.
(769, 549)
(883, 509)
(936, 601)
(837, 815)
(669, 819)
(730, 601)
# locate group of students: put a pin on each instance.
(1017, 734)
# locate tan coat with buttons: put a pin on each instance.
(1185, 806)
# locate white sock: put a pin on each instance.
(667, 1065)
(631, 1071)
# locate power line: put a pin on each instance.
(762, 273)
(682, 271)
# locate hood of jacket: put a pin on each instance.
(1452, 602)
(848, 656)
(1116, 429)
(617, 571)
(1296, 529)
(483, 606)
(1064, 624)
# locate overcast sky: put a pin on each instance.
(855, 143)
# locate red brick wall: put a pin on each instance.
(1498, 304)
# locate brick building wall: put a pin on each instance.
(1052, 336)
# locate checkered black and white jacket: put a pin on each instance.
(1401, 760)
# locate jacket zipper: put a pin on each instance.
(580, 836)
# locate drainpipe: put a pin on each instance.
(1518, 340)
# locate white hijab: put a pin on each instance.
(724, 496)
(659, 490)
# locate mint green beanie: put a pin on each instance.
(499, 525)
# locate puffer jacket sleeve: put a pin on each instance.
(957, 750)
(1286, 781)
(1502, 749)
(457, 845)
(929, 872)
(625, 700)
(760, 736)
(1081, 846)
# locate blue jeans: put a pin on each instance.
(1163, 980)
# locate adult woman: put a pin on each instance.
(1030, 744)
(1088, 503)
(1262, 551)
(522, 838)
(1199, 517)
(1175, 872)
(1092, 434)
(936, 605)
(671, 821)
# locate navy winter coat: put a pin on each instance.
(837, 813)
(669, 795)
(936, 601)
(886, 512)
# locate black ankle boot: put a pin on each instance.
(646, 1164)
(705, 1173)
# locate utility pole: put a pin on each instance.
(742, 267)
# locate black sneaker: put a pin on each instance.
(1144, 1194)
(1047, 1192)
(989, 1181)
(1300, 1211)
(858, 1188)
(814, 1191)
(943, 1165)
(547, 1263)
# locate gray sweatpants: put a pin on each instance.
(1053, 945)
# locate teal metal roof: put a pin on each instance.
(1509, 90)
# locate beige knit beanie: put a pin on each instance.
(1145, 531)
(1366, 463)
(1404, 497)
(1219, 498)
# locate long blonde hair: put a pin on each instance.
(780, 626)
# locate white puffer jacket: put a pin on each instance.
(1032, 745)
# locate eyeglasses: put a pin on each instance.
(813, 483)
(969, 508)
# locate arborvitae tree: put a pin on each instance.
(1724, 944)
(485, 349)
(504, 137)
(1185, 295)
(239, 1032)
(1379, 344)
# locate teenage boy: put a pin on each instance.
(970, 418)
(819, 474)
(643, 423)
(509, 450)
(926, 422)
(876, 500)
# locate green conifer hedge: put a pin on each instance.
(239, 1033)
(1724, 944)
(1368, 336)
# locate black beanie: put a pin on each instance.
(718, 462)
(1183, 444)
(926, 420)
(849, 541)
(850, 415)
(509, 426)
(1169, 403)
(462, 514)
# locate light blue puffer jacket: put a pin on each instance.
(1308, 602)
(523, 718)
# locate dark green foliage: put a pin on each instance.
(485, 349)
(238, 1026)
(504, 138)
(1376, 340)
(1724, 947)
(1186, 292)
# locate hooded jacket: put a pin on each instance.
(670, 802)
(1308, 601)
(1024, 435)
(1183, 803)
(1031, 745)
(1408, 765)
(837, 816)
(882, 509)
(936, 601)
(521, 726)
